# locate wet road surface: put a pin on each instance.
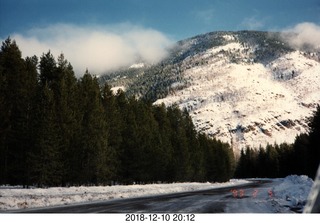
(204, 201)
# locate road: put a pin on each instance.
(255, 197)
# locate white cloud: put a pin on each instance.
(98, 48)
(303, 35)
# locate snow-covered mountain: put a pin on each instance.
(244, 88)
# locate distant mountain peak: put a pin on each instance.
(247, 88)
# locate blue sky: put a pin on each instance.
(131, 25)
(177, 18)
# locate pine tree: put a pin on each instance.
(240, 171)
(261, 163)
(181, 164)
(17, 81)
(137, 148)
(286, 165)
(115, 126)
(47, 159)
(300, 154)
(164, 154)
(130, 148)
(158, 146)
(31, 84)
(196, 161)
(92, 147)
(48, 69)
(247, 164)
(272, 164)
(68, 112)
(208, 159)
(314, 146)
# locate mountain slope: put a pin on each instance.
(245, 88)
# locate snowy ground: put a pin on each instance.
(19, 198)
(288, 192)
(283, 195)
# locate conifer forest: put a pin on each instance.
(60, 130)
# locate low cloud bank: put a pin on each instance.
(98, 48)
(303, 35)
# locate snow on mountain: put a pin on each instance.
(243, 101)
(247, 88)
(137, 65)
(116, 89)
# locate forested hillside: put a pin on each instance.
(245, 88)
(159, 80)
(302, 157)
(56, 129)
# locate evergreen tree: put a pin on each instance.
(300, 151)
(314, 146)
(68, 112)
(165, 153)
(246, 165)
(17, 81)
(181, 164)
(114, 130)
(272, 161)
(46, 157)
(285, 152)
(240, 170)
(261, 163)
(209, 158)
(228, 160)
(48, 69)
(196, 155)
(92, 147)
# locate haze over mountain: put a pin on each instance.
(245, 88)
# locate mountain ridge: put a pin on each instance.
(247, 88)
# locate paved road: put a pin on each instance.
(205, 201)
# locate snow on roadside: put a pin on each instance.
(14, 198)
(293, 191)
(280, 195)
(287, 194)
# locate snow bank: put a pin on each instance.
(293, 191)
(280, 195)
(13, 198)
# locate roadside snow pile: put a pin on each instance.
(38, 197)
(293, 191)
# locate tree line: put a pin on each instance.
(59, 130)
(302, 157)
